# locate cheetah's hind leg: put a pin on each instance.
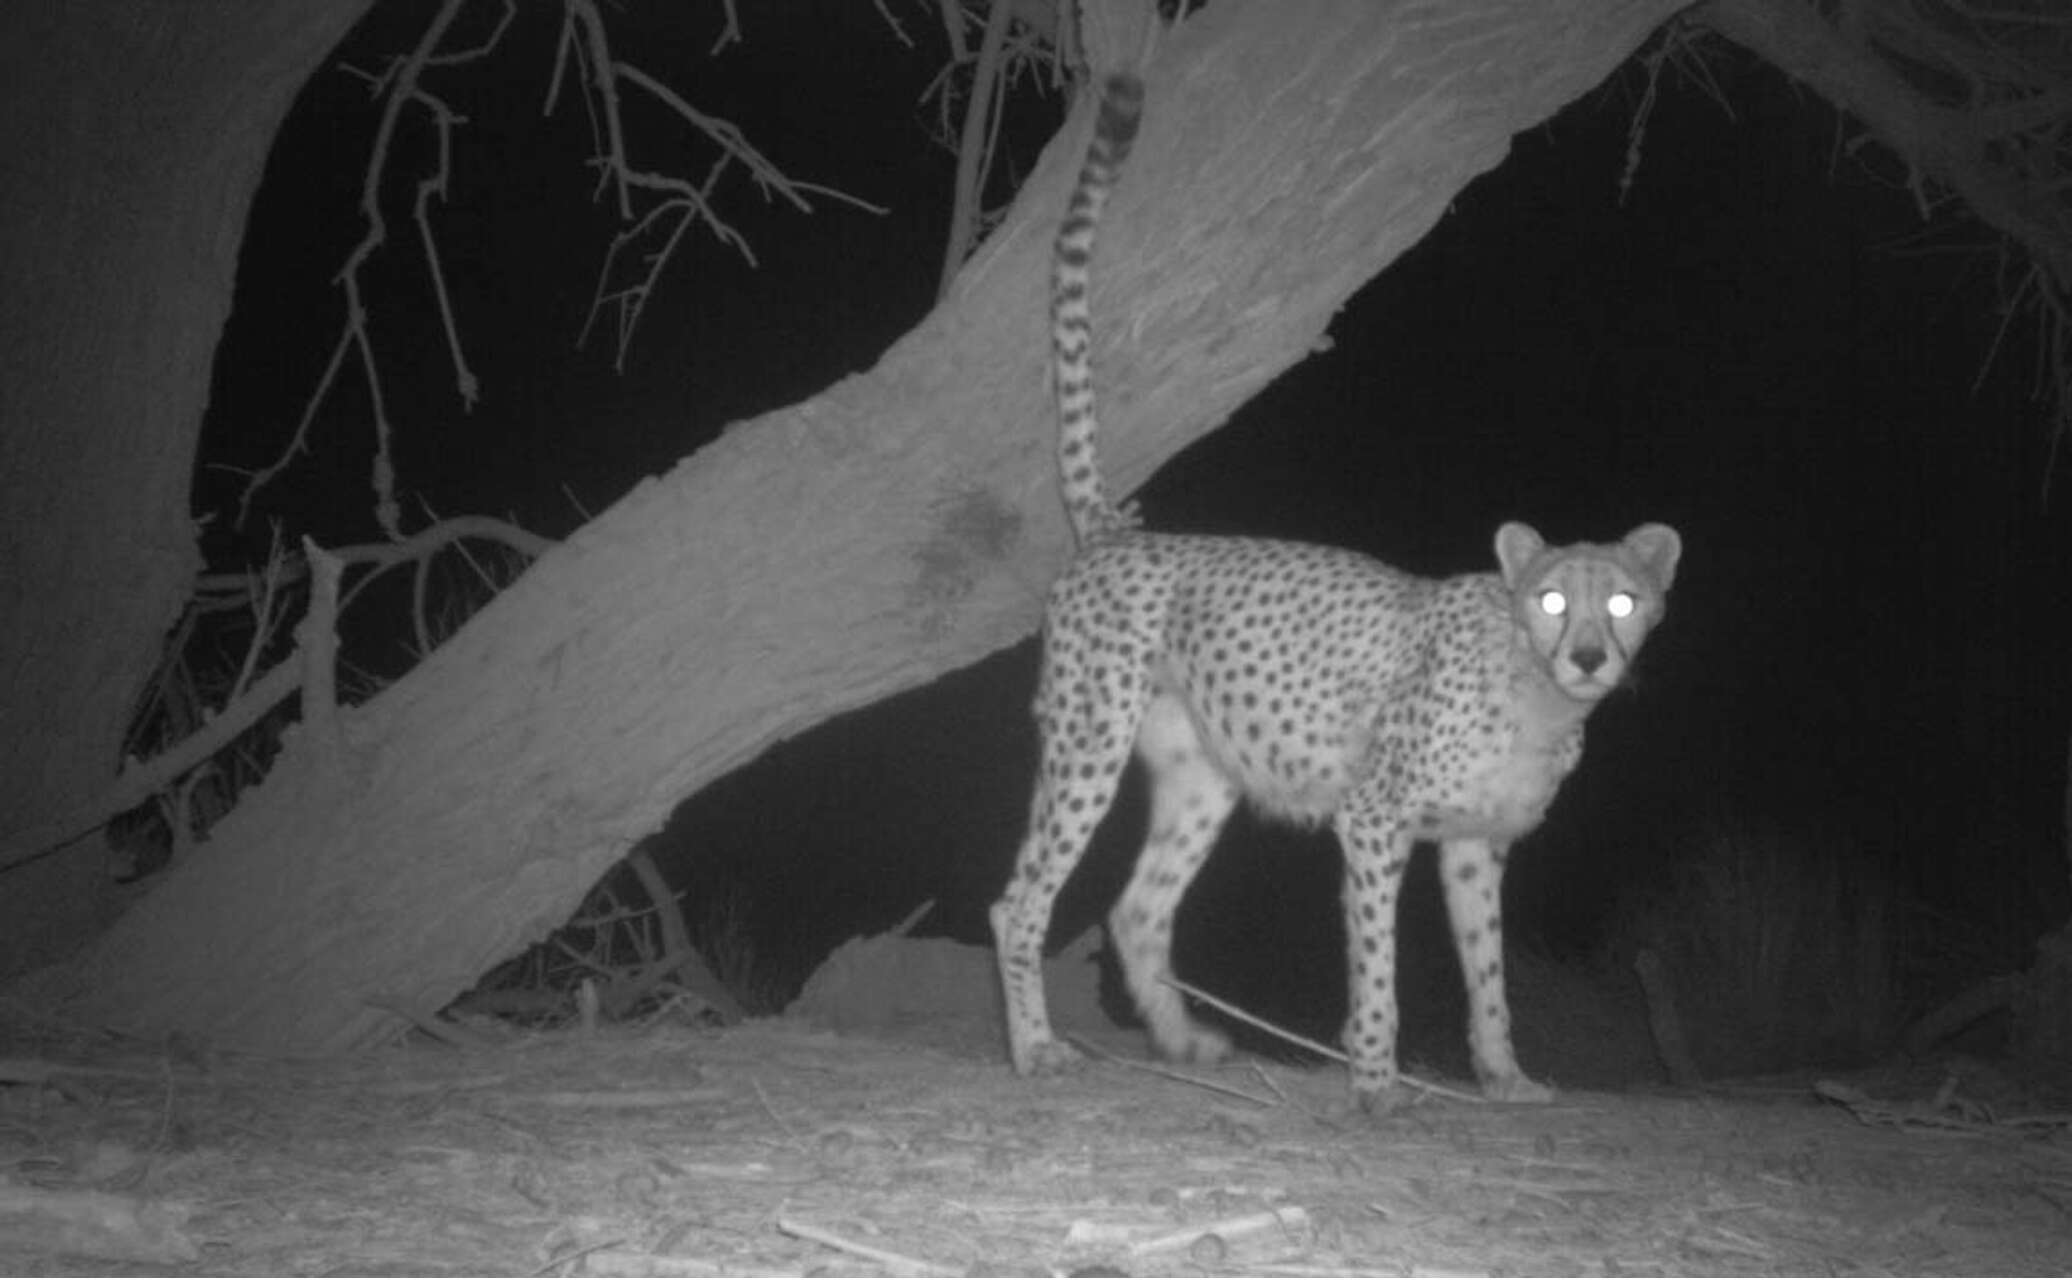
(1190, 799)
(1020, 920)
(1085, 744)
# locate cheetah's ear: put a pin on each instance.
(1658, 547)
(1516, 546)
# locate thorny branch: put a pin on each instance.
(642, 250)
(399, 87)
(675, 206)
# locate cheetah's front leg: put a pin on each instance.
(1473, 872)
(1376, 850)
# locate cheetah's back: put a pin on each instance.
(1288, 658)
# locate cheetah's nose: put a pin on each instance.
(1587, 659)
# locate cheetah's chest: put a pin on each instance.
(1493, 774)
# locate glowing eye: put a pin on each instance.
(1553, 602)
(1621, 605)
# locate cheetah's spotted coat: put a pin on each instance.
(1318, 683)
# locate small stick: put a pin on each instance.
(1152, 1067)
(1231, 1010)
(1334, 1271)
(1332, 1053)
(1286, 1219)
(1272, 1084)
(771, 1110)
(890, 1259)
(571, 1257)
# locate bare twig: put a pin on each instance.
(181, 822)
(651, 238)
(898, 31)
(1310, 1044)
(892, 1260)
(952, 12)
(139, 782)
(975, 145)
(730, 32)
(1285, 1221)
(1238, 1013)
(584, 45)
(763, 1097)
(317, 639)
(1947, 1113)
(1166, 1071)
(400, 86)
(265, 613)
(914, 916)
(428, 187)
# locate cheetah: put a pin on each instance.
(1319, 684)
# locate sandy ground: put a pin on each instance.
(780, 1148)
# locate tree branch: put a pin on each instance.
(1959, 94)
(402, 86)
(1947, 145)
(245, 707)
(684, 204)
(974, 146)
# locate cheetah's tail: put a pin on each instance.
(1087, 504)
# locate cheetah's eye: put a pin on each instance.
(1553, 602)
(1621, 605)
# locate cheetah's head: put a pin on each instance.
(1586, 608)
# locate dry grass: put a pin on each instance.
(234, 629)
(617, 942)
(1784, 950)
(721, 928)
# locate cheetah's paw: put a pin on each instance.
(1382, 1101)
(1047, 1056)
(1194, 1045)
(1516, 1089)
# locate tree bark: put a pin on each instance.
(136, 135)
(900, 525)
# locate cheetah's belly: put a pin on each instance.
(1301, 777)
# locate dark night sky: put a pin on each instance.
(1763, 346)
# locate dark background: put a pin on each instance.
(1764, 345)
